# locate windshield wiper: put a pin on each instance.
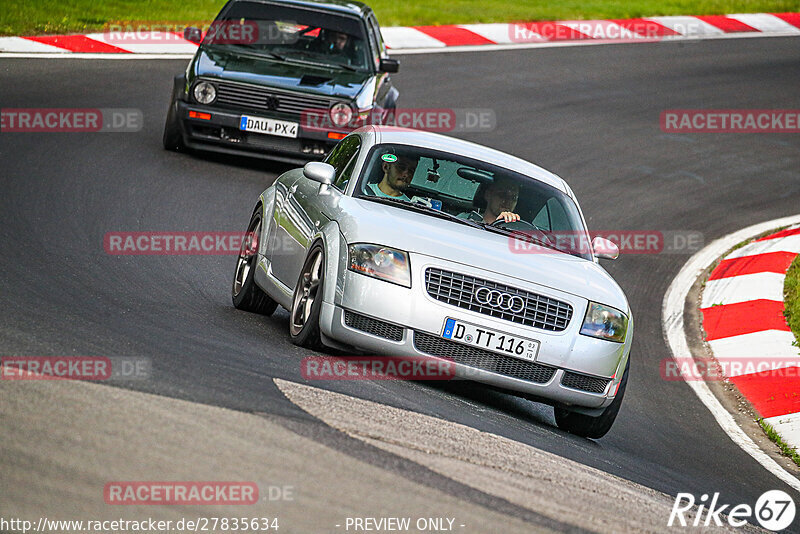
(422, 209)
(518, 234)
(345, 67)
(251, 51)
(273, 55)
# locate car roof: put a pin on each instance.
(340, 6)
(444, 143)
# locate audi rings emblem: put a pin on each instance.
(498, 299)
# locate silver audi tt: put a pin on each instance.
(418, 245)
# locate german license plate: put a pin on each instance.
(491, 340)
(268, 126)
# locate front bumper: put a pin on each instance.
(221, 133)
(381, 318)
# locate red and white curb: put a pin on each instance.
(462, 36)
(729, 291)
(742, 308)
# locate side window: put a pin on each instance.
(552, 217)
(558, 216)
(347, 173)
(377, 29)
(375, 47)
(341, 158)
(542, 219)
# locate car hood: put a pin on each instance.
(242, 67)
(369, 222)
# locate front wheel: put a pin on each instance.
(598, 426)
(307, 301)
(172, 138)
(246, 294)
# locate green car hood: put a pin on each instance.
(300, 77)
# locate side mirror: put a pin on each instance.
(389, 65)
(605, 249)
(193, 35)
(319, 172)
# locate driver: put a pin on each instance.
(398, 172)
(333, 43)
(337, 41)
(498, 200)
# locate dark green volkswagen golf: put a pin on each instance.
(282, 79)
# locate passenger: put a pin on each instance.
(397, 176)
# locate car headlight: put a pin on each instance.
(380, 262)
(605, 322)
(341, 114)
(205, 93)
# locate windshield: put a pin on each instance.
(292, 34)
(475, 192)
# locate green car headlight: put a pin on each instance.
(380, 262)
(205, 93)
(605, 322)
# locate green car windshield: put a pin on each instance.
(292, 34)
(473, 192)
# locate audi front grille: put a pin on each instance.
(373, 326)
(592, 384)
(483, 359)
(497, 300)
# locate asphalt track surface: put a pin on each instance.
(590, 114)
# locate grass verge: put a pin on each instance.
(786, 450)
(33, 17)
(791, 299)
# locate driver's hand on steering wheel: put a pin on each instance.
(508, 217)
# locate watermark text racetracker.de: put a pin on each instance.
(177, 243)
(180, 493)
(627, 241)
(74, 368)
(241, 31)
(600, 30)
(343, 117)
(719, 369)
(731, 120)
(376, 368)
(160, 243)
(70, 120)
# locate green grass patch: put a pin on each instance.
(33, 17)
(786, 450)
(791, 298)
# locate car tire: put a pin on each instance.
(173, 139)
(595, 427)
(307, 301)
(245, 292)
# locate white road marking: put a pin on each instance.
(743, 288)
(18, 44)
(499, 33)
(757, 347)
(688, 26)
(675, 334)
(779, 244)
(766, 23)
(152, 42)
(402, 37)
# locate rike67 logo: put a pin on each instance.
(774, 510)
